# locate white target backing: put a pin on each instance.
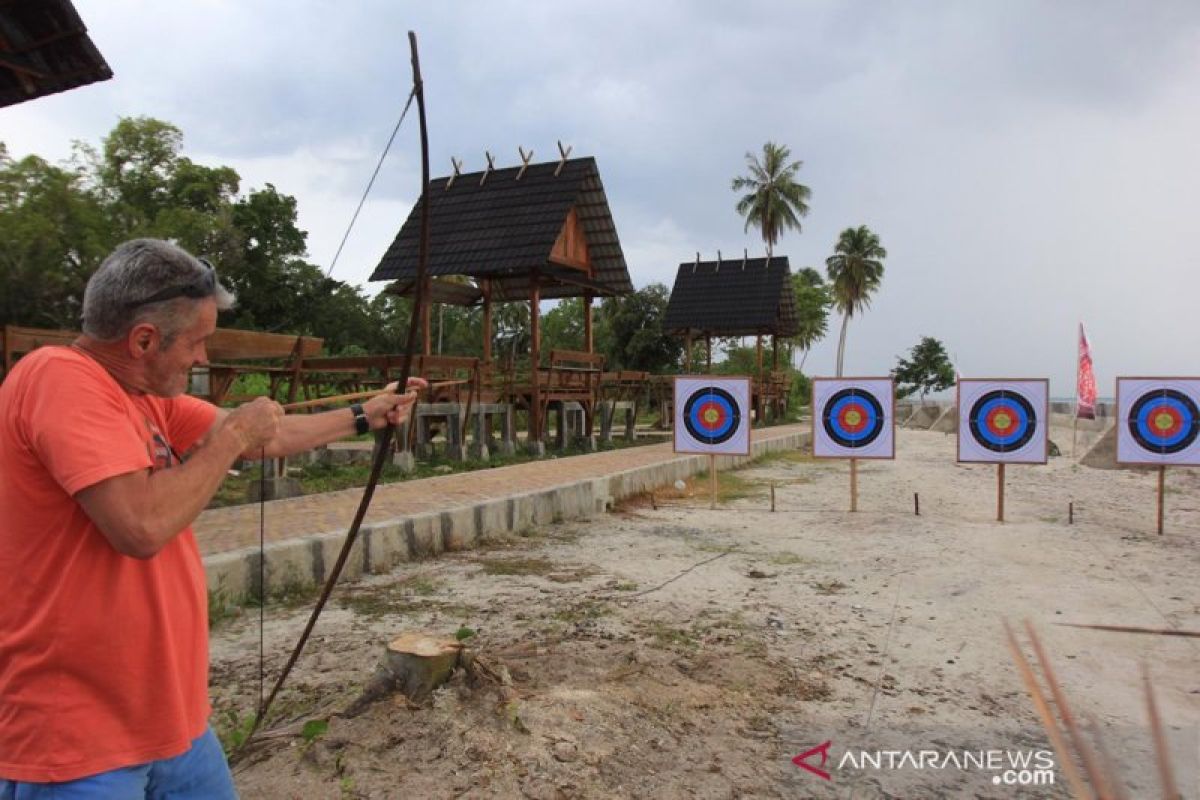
(854, 418)
(1003, 421)
(712, 415)
(1158, 421)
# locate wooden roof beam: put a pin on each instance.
(562, 161)
(491, 165)
(524, 160)
(457, 164)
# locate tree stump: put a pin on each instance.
(414, 664)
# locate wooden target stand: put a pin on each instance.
(1185, 391)
(1032, 400)
(721, 402)
(873, 396)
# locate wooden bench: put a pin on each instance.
(572, 376)
(18, 341)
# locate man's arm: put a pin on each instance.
(139, 512)
(299, 433)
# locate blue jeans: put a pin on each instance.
(199, 774)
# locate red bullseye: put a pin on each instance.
(1165, 421)
(1001, 421)
(853, 418)
(711, 415)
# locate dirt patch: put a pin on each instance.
(681, 653)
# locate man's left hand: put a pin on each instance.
(392, 408)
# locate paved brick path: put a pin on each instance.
(223, 529)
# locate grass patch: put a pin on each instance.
(671, 637)
(783, 457)
(517, 566)
(828, 587)
(582, 611)
(787, 559)
(730, 486)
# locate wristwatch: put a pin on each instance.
(361, 425)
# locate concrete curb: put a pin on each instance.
(300, 564)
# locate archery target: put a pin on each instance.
(1003, 421)
(1158, 421)
(712, 415)
(853, 418)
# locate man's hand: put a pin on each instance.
(256, 423)
(391, 408)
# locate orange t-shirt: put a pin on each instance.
(103, 657)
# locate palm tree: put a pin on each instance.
(855, 271)
(773, 201)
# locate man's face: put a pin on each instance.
(168, 369)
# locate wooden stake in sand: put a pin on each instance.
(1162, 479)
(712, 480)
(1000, 492)
(854, 484)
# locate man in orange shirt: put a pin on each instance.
(104, 465)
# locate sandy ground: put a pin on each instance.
(682, 652)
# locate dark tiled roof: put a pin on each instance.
(44, 49)
(733, 298)
(507, 227)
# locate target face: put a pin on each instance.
(853, 418)
(1158, 420)
(1003, 421)
(712, 415)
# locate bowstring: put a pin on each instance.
(371, 182)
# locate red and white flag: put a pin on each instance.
(1085, 380)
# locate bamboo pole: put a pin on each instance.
(1166, 776)
(1000, 492)
(1074, 779)
(352, 396)
(854, 484)
(1090, 764)
(1162, 479)
(712, 480)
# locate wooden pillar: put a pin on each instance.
(708, 352)
(487, 320)
(774, 352)
(758, 355)
(588, 343)
(426, 290)
(535, 358)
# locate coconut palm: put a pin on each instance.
(855, 271)
(773, 200)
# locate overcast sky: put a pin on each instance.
(1027, 165)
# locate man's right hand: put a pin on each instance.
(256, 422)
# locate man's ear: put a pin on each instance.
(143, 338)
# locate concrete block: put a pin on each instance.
(521, 512)
(424, 535)
(273, 489)
(326, 548)
(491, 519)
(386, 546)
(405, 460)
(458, 529)
(292, 566)
(228, 579)
(335, 456)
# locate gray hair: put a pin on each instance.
(136, 270)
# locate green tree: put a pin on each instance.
(53, 234)
(772, 200)
(928, 369)
(813, 300)
(631, 335)
(855, 271)
(562, 326)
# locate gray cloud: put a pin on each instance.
(1027, 164)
